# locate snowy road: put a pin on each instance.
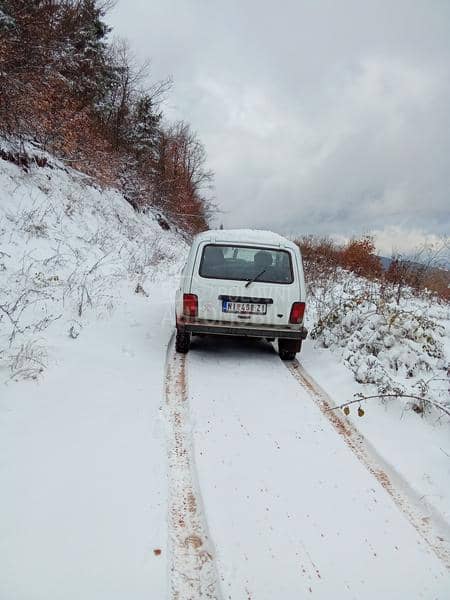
(266, 499)
(290, 509)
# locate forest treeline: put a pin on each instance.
(68, 87)
(421, 273)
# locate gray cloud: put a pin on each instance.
(327, 117)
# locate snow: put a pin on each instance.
(83, 473)
(369, 344)
(245, 236)
(70, 252)
(128, 472)
(397, 345)
(291, 510)
(193, 572)
(6, 20)
(417, 448)
(82, 438)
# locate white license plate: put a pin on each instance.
(244, 308)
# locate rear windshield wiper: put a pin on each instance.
(255, 278)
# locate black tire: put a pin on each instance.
(287, 349)
(182, 342)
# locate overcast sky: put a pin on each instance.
(318, 116)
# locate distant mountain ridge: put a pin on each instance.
(442, 265)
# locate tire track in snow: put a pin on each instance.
(431, 526)
(193, 572)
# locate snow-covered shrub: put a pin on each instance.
(28, 361)
(395, 345)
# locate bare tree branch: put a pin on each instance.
(361, 398)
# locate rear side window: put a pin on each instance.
(244, 263)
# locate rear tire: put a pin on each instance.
(182, 342)
(287, 349)
(286, 355)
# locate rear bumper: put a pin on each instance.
(214, 328)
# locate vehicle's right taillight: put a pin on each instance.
(297, 312)
(190, 305)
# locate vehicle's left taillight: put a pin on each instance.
(190, 305)
(297, 312)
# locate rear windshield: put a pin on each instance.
(243, 263)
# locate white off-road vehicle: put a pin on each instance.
(242, 283)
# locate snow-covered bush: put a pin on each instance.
(399, 346)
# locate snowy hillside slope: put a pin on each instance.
(70, 252)
(82, 440)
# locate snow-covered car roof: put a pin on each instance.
(245, 236)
